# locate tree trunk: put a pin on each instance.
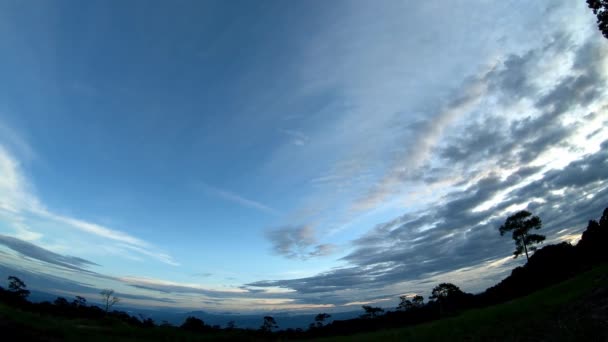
(525, 247)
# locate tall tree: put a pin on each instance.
(268, 324)
(407, 304)
(108, 299)
(371, 312)
(521, 223)
(600, 9)
(18, 287)
(320, 318)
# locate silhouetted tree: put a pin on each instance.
(444, 291)
(404, 304)
(79, 302)
(108, 299)
(193, 324)
(320, 318)
(418, 301)
(594, 240)
(231, 325)
(371, 312)
(268, 324)
(407, 304)
(146, 322)
(17, 287)
(61, 302)
(520, 224)
(448, 296)
(600, 9)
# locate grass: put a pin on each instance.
(564, 312)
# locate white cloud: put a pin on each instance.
(18, 203)
(235, 198)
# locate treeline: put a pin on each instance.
(547, 266)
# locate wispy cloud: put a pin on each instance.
(297, 138)
(18, 202)
(238, 199)
(31, 250)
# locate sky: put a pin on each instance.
(301, 156)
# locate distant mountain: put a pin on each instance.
(285, 320)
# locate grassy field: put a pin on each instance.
(575, 310)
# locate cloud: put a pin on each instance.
(297, 242)
(539, 151)
(19, 203)
(175, 287)
(428, 134)
(453, 236)
(35, 252)
(235, 198)
(297, 138)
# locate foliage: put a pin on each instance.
(600, 9)
(520, 224)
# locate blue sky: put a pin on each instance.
(302, 155)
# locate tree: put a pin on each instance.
(593, 241)
(418, 301)
(231, 325)
(600, 9)
(520, 224)
(407, 304)
(108, 299)
(61, 302)
(193, 324)
(320, 318)
(371, 312)
(444, 291)
(268, 324)
(79, 302)
(17, 287)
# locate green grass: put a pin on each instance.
(559, 313)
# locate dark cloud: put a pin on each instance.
(35, 252)
(514, 78)
(297, 242)
(453, 236)
(523, 140)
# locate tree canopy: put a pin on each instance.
(600, 9)
(18, 287)
(444, 291)
(520, 224)
(268, 324)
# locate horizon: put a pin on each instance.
(297, 157)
